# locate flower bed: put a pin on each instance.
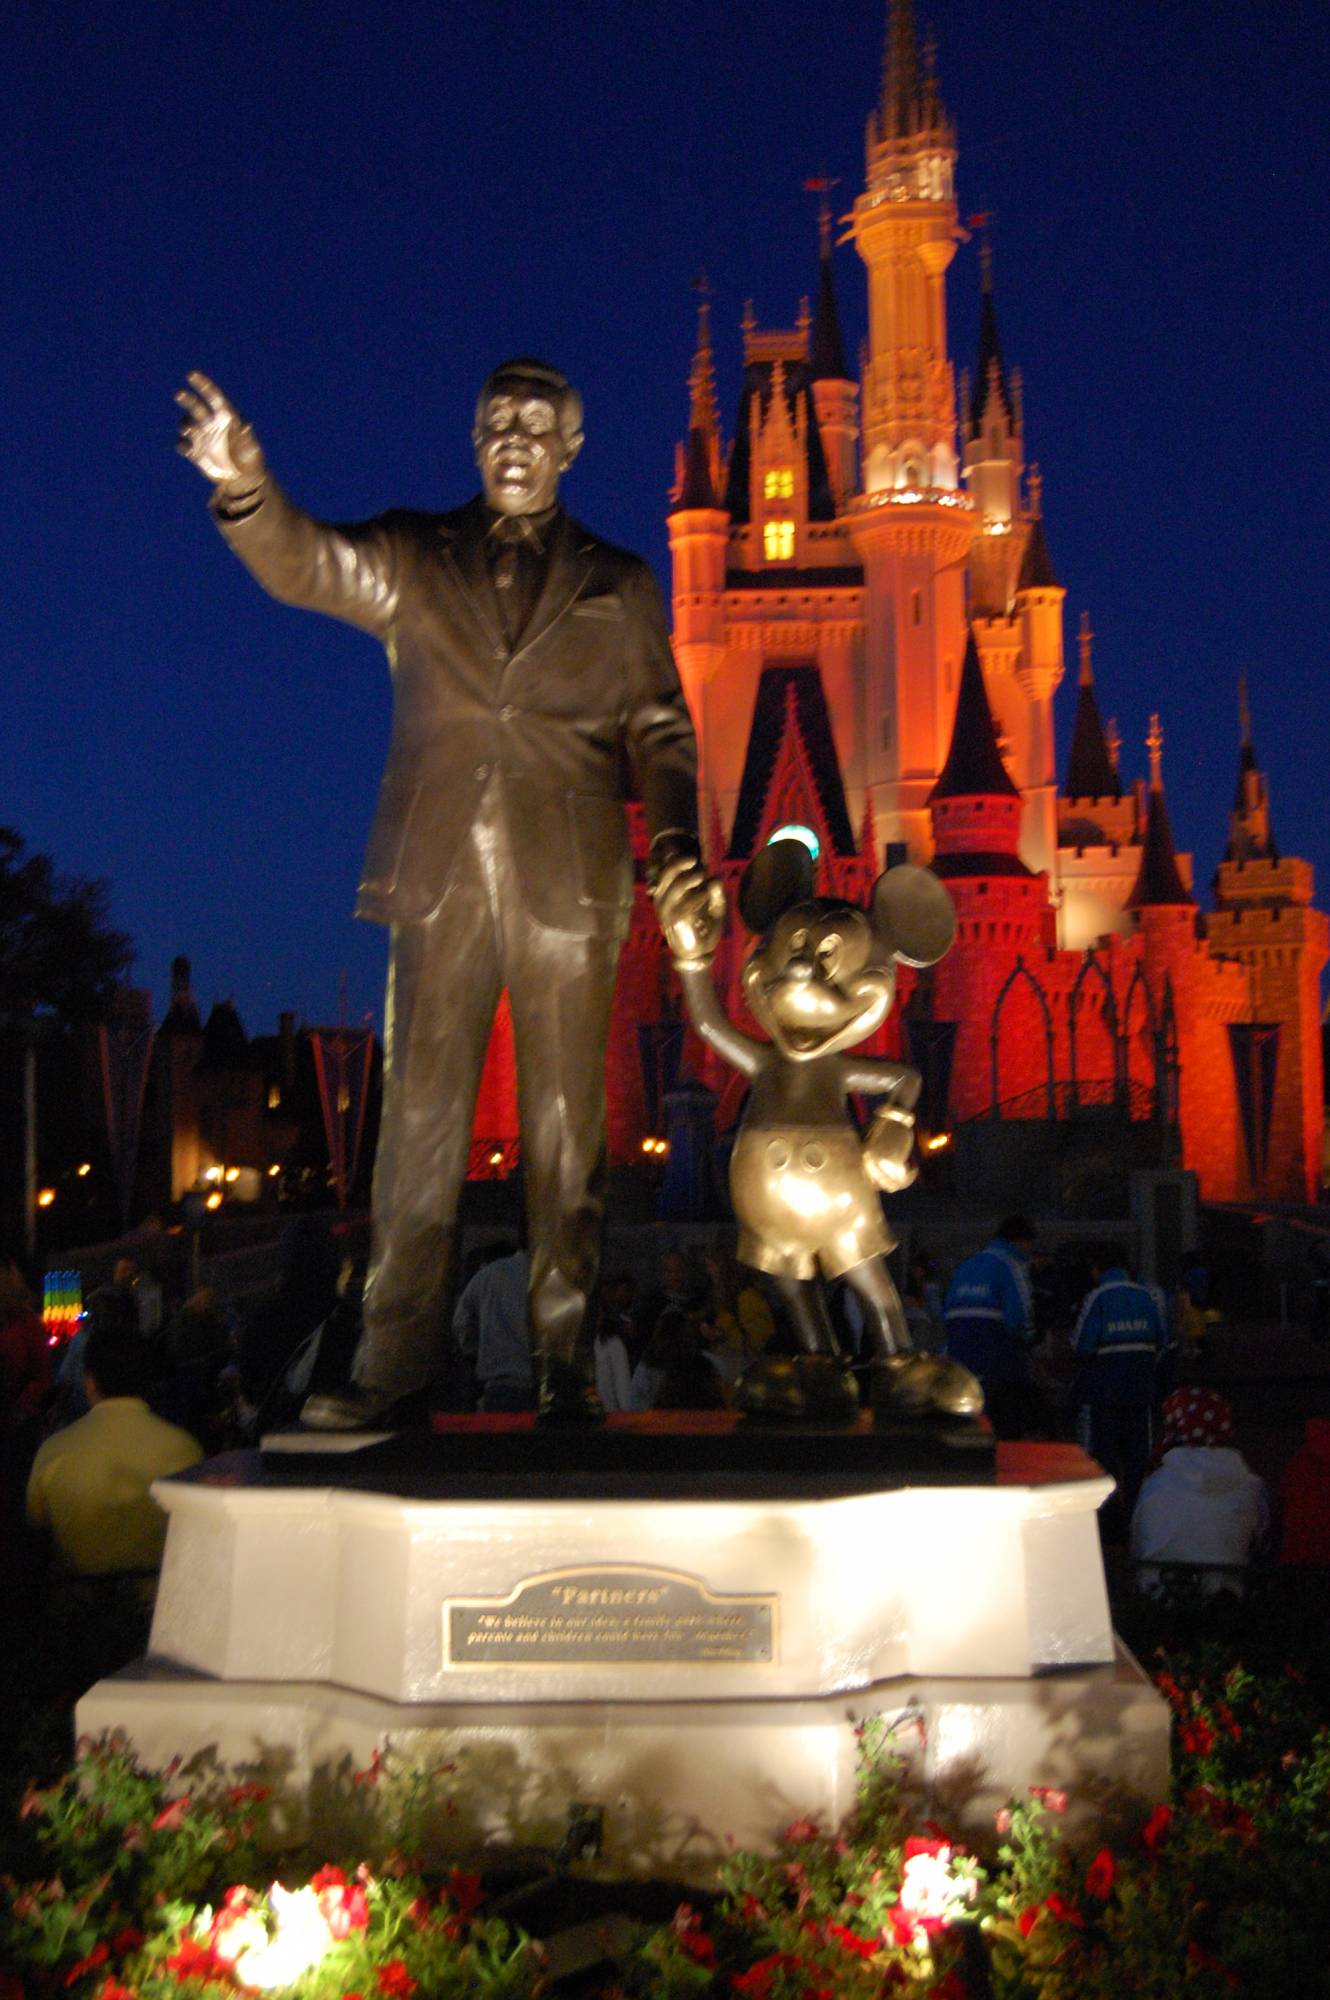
(124, 1885)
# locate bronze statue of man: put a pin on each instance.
(526, 655)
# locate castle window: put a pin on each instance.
(778, 540)
(778, 483)
(917, 606)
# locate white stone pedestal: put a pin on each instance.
(691, 1664)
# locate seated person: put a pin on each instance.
(89, 1483)
(1203, 1505)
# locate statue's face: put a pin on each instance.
(522, 447)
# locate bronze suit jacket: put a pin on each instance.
(545, 719)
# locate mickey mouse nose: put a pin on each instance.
(799, 967)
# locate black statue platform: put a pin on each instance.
(653, 1455)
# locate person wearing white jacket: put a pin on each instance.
(1203, 1505)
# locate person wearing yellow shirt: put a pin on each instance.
(90, 1482)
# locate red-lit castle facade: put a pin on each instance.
(870, 633)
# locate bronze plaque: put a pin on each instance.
(603, 1615)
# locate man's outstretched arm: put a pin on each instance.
(349, 572)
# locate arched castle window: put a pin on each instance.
(1020, 976)
(1082, 1039)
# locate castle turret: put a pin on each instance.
(699, 530)
(994, 460)
(835, 395)
(910, 522)
(1039, 600)
(1265, 920)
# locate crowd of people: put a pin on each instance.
(148, 1386)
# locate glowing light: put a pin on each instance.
(778, 484)
(300, 1939)
(214, 1200)
(85, 1168)
(937, 1142)
(273, 1171)
(45, 1197)
(778, 540)
(212, 1173)
(233, 1174)
(496, 1159)
(793, 831)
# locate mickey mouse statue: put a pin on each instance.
(804, 1183)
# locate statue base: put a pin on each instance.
(676, 1624)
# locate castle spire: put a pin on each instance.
(1091, 769)
(990, 374)
(1249, 836)
(699, 480)
(1159, 883)
(902, 97)
(826, 357)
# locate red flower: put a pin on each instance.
(395, 1982)
(372, 1772)
(1205, 1961)
(171, 1814)
(97, 1956)
(1100, 1875)
(110, 1989)
(1002, 1820)
(465, 1892)
(953, 1987)
(240, 1795)
(694, 1942)
(916, 1844)
(1155, 1828)
(800, 1830)
(126, 1940)
(192, 1960)
(1197, 1737)
(1029, 1917)
(756, 1983)
(1066, 1913)
(1051, 1800)
(850, 1941)
(901, 1924)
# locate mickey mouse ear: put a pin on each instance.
(777, 878)
(913, 914)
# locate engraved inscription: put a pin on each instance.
(602, 1616)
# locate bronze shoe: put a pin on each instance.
(359, 1409)
(565, 1395)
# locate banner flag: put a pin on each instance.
(343, 1061)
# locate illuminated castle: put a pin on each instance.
(869, 628)
(870, 631)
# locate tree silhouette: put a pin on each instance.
(59, 955)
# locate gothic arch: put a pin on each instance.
(1021, 971)
(1090, 965)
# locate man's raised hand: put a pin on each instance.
(215, 437)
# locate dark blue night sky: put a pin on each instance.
(345, 214)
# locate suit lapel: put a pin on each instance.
(462, 539)
(568, 568)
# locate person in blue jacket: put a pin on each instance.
(1120, 1339)
(988, 1316)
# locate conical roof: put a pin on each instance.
(974, 766)
(990, 364)
(1090, 773)
(1037, 571)
(1158, 881)
(826, 360)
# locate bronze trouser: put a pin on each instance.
(444, 981)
